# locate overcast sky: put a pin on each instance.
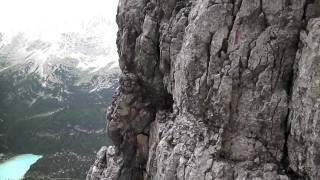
(47, 17)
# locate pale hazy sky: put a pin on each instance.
(47, 17)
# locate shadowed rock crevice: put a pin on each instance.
(215, 89)
(285, 159)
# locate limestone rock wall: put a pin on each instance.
(215, 89)
(304, 119)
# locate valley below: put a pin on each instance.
(53, 100)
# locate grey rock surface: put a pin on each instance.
(215, 89)
(304, 119)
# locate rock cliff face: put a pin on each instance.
(215, 89)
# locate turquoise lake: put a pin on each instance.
(16, 167)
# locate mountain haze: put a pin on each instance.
(53, 97)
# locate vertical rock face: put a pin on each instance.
(304, 138)
(215, 89)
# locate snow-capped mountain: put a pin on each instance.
(58, 72)
(51, 89)
(80, 56)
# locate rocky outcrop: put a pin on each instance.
(304, 119)
(215, 89)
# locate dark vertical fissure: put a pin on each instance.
(285, 159)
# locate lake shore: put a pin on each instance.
(4, 157)
(17, 166)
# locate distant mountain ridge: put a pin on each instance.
(53, 95)
(36, 72)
